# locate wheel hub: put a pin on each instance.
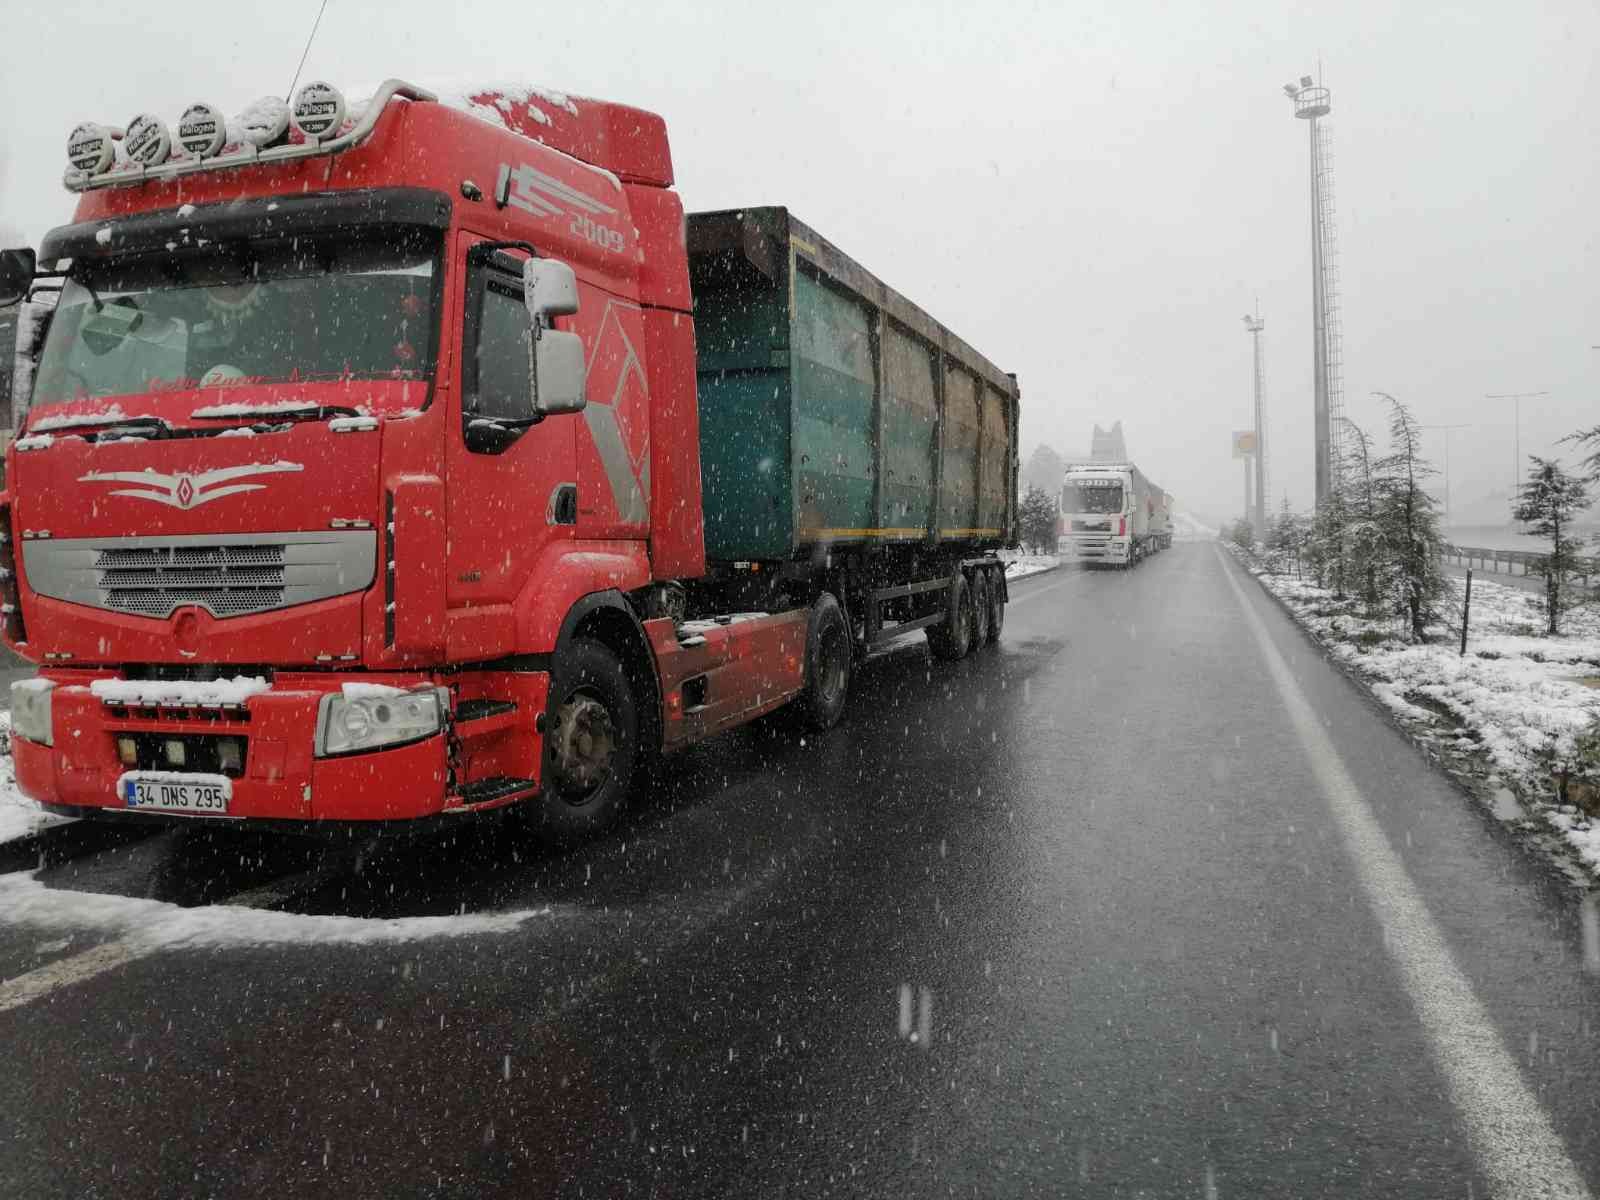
(585, 740)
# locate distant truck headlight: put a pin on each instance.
(365, 717)
(32, 710)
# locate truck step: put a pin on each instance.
(497, 787)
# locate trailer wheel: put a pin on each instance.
(827, 664)
(997, 609)
(980, 609)
(591, 745)
(952, 638)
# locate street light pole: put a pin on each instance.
(1446, 429)
(1516, 433)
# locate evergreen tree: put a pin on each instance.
(1045, 469)
(1037, 521)
(1408, 519)
(1364, 541)
(1546, 504)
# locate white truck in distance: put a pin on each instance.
(1111, 513)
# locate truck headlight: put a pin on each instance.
(369, 716)
(32, 710)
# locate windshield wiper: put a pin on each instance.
(279, 416)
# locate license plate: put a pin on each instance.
(200, 795)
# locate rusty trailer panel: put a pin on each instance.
(833, 410)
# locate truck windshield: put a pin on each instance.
(1091, 498)
(298, 311)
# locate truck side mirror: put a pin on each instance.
(549, 288)
(558, 373)
(17, 269)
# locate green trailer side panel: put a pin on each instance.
(741, 349)
(744, 464)
(995, 469)
(958, 494)
(910, 431)
(833, 383)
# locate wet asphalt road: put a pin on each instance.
(1071, 917)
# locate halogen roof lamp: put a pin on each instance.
(201, 131)
(318, 111)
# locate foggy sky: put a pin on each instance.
(1092, 195)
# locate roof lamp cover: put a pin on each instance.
(89, 148)
(318, 110)
(264, 122)
(201, 130)
(147, 141)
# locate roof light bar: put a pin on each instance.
(84, 146)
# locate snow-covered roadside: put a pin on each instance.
(1505, 714)
(1020, 565)
(19, 816)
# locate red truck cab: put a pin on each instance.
(289, 532)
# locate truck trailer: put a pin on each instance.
(399, 462)
(1110, 513)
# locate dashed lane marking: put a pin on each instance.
(1509, 1131)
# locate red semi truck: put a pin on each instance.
(360, 473)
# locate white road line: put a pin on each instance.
(25, 989)
(1516, 1146)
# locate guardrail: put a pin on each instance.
(1508, 562)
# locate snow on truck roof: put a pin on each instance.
(624, 143)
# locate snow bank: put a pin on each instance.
(1020, 566)
(1514, 702)
(155, 924)
(178, 693)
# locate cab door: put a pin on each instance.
(512, 492)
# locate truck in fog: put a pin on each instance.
(1110, 513)
(418, 459)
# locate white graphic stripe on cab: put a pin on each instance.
(186, 490)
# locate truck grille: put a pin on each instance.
(225, 575)
(152, 581)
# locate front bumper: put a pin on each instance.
(1096, 547)
(281, 780)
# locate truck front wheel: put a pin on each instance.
(591, 742)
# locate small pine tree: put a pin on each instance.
(1037, 521)
(1364, 535)
(1243, 534)
(1546, 504)
(1408, 518)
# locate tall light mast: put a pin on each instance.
(1311, 105)
(1254, 325)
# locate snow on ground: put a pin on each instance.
(1020, 565)
(19, 816)
(149, 924)
(1513, 703)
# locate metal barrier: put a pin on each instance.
(1516, 562)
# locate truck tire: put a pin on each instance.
(980, 609)
(828, 658)
(591, 742)
(952, 638)
(997, 608)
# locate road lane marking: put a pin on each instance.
(1510, 1133)
(24, 989)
